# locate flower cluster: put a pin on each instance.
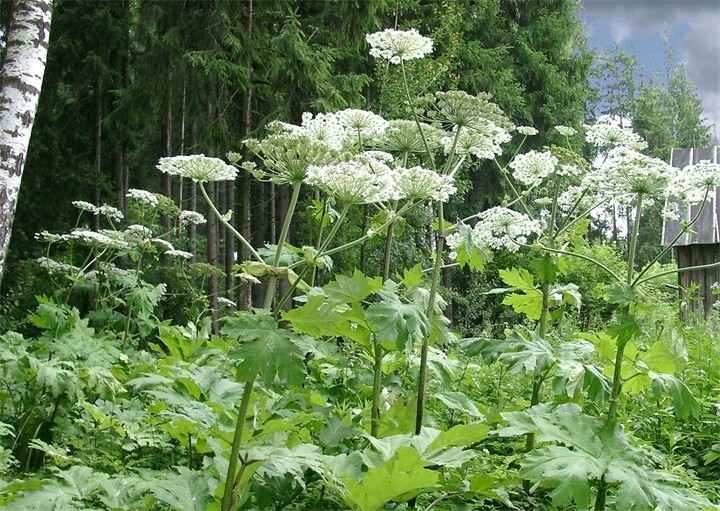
(143, 197)
(627, 173)
(109, 212)
(197, 167)
(458, 109)
(421, 183)
(566, 131)
(191, 217)
(498, 228)
(607, 135)
(364, 125)
(690, 185)
(395, 46)
(532, 167)
(357, 181)
(527, 131)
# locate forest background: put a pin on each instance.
(107, 394)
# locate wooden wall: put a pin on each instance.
(695, 255)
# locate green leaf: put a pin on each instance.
(186, 490)
(684, 403)
(400, 478)
(397, 322)
(459, 401)
(412, 276)
(265, 348)
(529, 304)
(468, 253)
(528, 355)
(352, 289)
(621, 294)
(624, 328)
(520, 279)
(460, 435)
(567, 472)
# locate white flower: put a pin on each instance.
(565, 131)
(137, 233)
(178, 253)
(110, 212)
(55, 266)
(396, 46)
(197, 167)
(626, 173)
(227, 303)
(526, 130)
(85, 206)
(98, 239)
(49, 237)
(164, 244)
(607, 135)
(497, 228)
(692, 182)
(422, 183)
(191, 217)
(143, 197)
(532, 167)
(361, 180)
(362, 125)
(325, 128)
(251, 279)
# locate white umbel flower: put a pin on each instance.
(362, 125)
(606, 135)
(197, 167)
(690, 185)
(191, 217)
(420, 183)
(396, 46)
(627, 173)
(528, 131)
(498, 228)
(532, 167)
(566, 131)
(143, 197)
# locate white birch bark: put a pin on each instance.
(20, 82)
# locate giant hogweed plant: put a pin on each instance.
(317, 394)
(632, 358)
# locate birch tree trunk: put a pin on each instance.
(20, 82)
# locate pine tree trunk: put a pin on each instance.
(212, 257)
(97, 148)
(20, 83)
(192, 191)
(245, 293)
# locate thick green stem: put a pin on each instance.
(272, 281)
(229, 492)
(633, 240)
(422, 379)
(388, 251)
(377, 384)
(228, 225)
(334, 230)
(538, 379)
(601, 496)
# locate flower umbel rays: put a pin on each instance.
(197, 167)
(396, 46)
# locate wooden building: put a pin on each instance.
(702, 246)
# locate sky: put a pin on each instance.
(694, 30)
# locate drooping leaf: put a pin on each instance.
(397, 322)
(684, 403)
(460, 435)
(186, 490)
(265, 348)
(400, 478)
(459, 401)
(526, 353)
